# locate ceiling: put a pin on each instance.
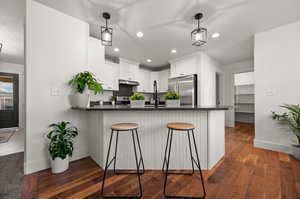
(12, 13)
(167, 24)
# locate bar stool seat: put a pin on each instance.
(181, 126)
(124, 126)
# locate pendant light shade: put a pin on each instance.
(106, 32)
(199, 35)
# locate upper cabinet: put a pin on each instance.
(107, 73)
(128, 70)
(164, 79)
(184, 66)
(144, 80)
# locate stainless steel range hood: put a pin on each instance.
(128, 82)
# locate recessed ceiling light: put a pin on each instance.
(173, 51)
(215, 35)
(116, 49)
(139, 34)
(149, 60)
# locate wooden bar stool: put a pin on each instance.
(188, 128)
(116, 129)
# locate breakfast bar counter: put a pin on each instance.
(209, 134)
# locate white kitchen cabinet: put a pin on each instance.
(184, 66)
(106, 73)
(112, 76)
(144, 80)
(163, 80)
(128, 70)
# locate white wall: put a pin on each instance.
(229, 71)
(17, 69)
(56, 49)
(277, 69)
(207, 74)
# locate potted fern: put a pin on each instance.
(137, 100)
(172, 99)
(61, 147)
(291, 118)
(81, 83)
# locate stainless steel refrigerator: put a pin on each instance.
(187, 87)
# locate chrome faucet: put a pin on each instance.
(155, 96)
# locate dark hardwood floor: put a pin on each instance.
(245, 172)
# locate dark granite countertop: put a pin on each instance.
(150, 108)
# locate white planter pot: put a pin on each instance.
(113, 103)
(137, 103)
(172, 103)
(59, 165)
(79, 100)
(296, 152)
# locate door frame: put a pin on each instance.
(15, 97)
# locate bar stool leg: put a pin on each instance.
(199, 166)
(116, 149)
(140, 150)
(106, 164)
(191, 152)
(168, 161)
(137, 164)
(164, 162)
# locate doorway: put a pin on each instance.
(9, 100)
(244, 97)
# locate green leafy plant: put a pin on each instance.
(137, 96)
(113, 98)
(61, 139)
(291, 118)
(84, 80)
(172, 95)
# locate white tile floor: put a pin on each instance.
(14, 145)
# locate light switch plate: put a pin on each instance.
(270, 92)
(55, 91)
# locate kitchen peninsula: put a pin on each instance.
(209, 133)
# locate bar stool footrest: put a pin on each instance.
(191, 197)
(129, 197)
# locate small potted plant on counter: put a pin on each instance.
(81, 83)
(61, 147)
(113, 100)
(172, 99)
(137, 100)
(292, 119)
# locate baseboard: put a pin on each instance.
(38, 165)
(272, 146)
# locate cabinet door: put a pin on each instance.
(163, 80)
(128, 70)
(187, 66)
(143, 79)
(124, 71)
(111, 78)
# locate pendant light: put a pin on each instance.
(199, 35)
(106, 32)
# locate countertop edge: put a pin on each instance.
(152, 108)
